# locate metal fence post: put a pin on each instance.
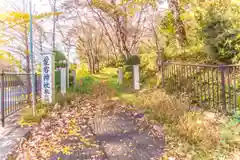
(223, 92)
(2, 98)
(162, 68)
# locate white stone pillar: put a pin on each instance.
(120, 75)
(68, 72)
(136, 77)
(63, 81)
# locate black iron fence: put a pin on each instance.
(16, 92)
(213, 86)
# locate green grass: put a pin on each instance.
(27, 117)
(65, 99)
(84, 85)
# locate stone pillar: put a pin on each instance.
(136, 77)
(120, 75)
(63, 81)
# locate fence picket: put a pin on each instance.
(13, 93)
(213, 86)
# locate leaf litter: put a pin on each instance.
(67, 130)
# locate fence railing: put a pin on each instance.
(16, 92)
(213, 86)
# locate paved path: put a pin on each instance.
(118, 138)
(11, 134)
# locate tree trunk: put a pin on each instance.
(160, 50)
(92, 62)
(93, 66)
(178, 23)
(97, 66)
(89, 64)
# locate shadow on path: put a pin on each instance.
(118, 138)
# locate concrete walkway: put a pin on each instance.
(118, 137)
(11, 134)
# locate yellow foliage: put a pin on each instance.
(132, 7)
(13, 19)
(6, 56)
(66, 150)
(17, 19)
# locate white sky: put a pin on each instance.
(41, 6)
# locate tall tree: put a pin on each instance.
(178, 23)
(15, 26)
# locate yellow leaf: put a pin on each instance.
(66, 150)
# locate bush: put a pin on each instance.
(133, 60)
(164, 108)
(84, 86)
(228, 46)
(194, 131)
(220, 33)
(113, 62)
(197, 131)
(82, 71)
(65, 99)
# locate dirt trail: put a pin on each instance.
(119, 137)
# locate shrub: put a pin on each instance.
(165, 108)
(198, 135)
(198, 131)
(82, 71)
(228, 46)
(64, 99)
(59, 98)
(84, 86)
(220, 33)
(133, 60)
